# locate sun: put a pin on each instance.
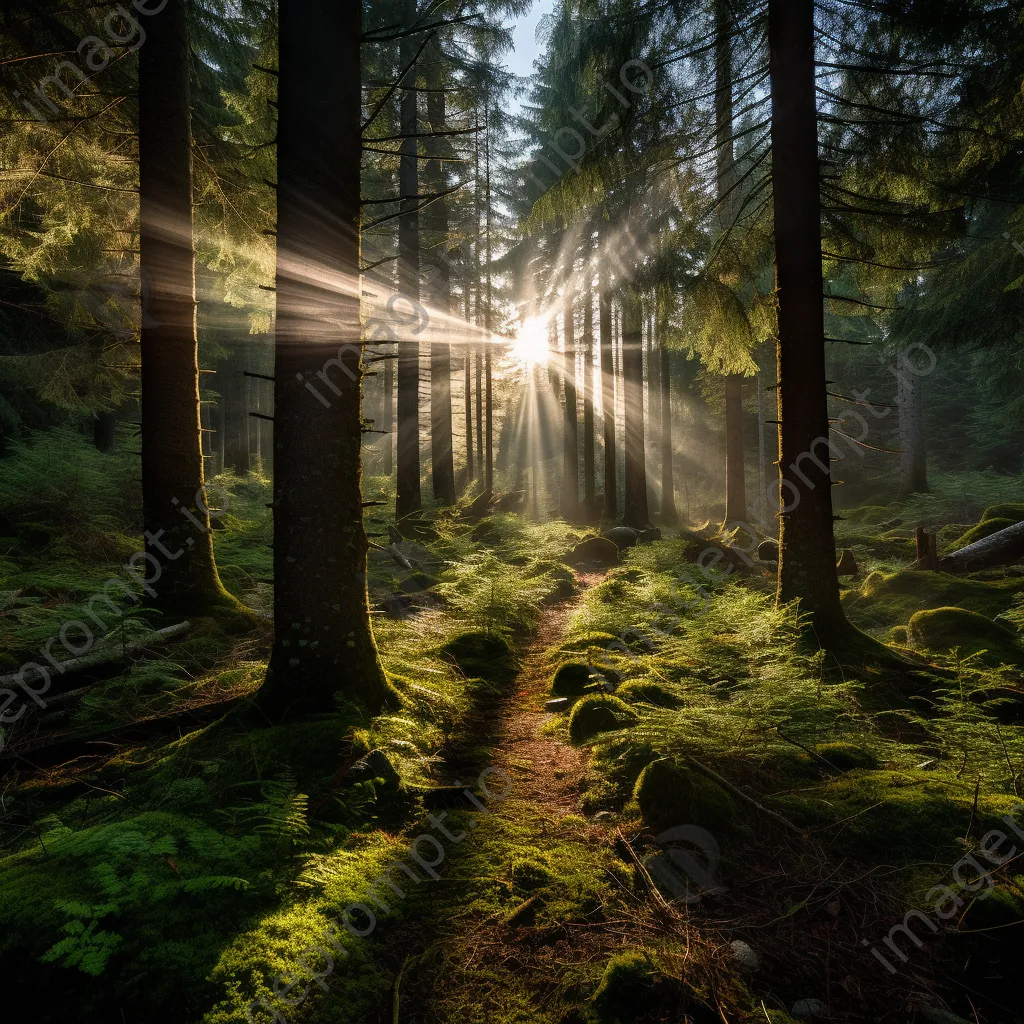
(531, 343)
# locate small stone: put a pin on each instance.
(603, 816)
(557, 704)
(768, 551)
(810, 1009)
(743, 957)
(847, 564)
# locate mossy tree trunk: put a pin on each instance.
(807, 560)
(179, 544)
(322, 636)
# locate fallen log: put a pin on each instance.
(109, 654)
(997, 549)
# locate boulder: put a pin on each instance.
(768, 551)
(810, 1010)
(599, 550)
(670, 795)
(743, 957)
(599, 713)
(571, 680)
(376, 767)
(622, 536)
(943, 629)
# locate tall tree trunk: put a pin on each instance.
(735, 477)
(409, 499)
(442, 458)
(635, 512)
(589, 485)
(611, 483)
(669, 514)
(570, 423)
(913, 451)
(653, 383)
(762, 450)
(103, 431)
(467, 398)
(807, 559)
(488, 312)
(735, 482)
(232, 384)
(389, 416)
(323, 641)
(179, 544)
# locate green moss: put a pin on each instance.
(967, 632)
(592, 639)
(647, 691)
(905, 818)
(482, 654)
(629, 989)
(571, 680)
(1011, 510)
(846, 756)
(984, 529)
(671, 795)
(890, 599)
(599, 713)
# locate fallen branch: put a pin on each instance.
(736, 791)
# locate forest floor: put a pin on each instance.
(186, 871)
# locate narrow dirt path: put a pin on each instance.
(548, 771)
(530, 908)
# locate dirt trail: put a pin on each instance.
(548, 771)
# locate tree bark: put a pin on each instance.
(635, 512)
(179, 544)
(570, 422)
(103, 431)
(669, 513)
(735, 482)
(442, 457)
(735, 476)
(488, 312)
(323, 641)
(611, 482)
(807, 559)
(589, 485)
(913, 450)
(409, 499)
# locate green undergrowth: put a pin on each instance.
(732, 709)
(184, 875)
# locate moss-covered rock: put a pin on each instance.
(671, 795)
(846, 756)
(599, 713)
(647, 691)
(629, 989)
(885, 600)
(1011, 510)
(595, 638)
(947, 629)
(481, 654)
(571, 680)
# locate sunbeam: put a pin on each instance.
(531, 343)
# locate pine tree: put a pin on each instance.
(323, 641)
